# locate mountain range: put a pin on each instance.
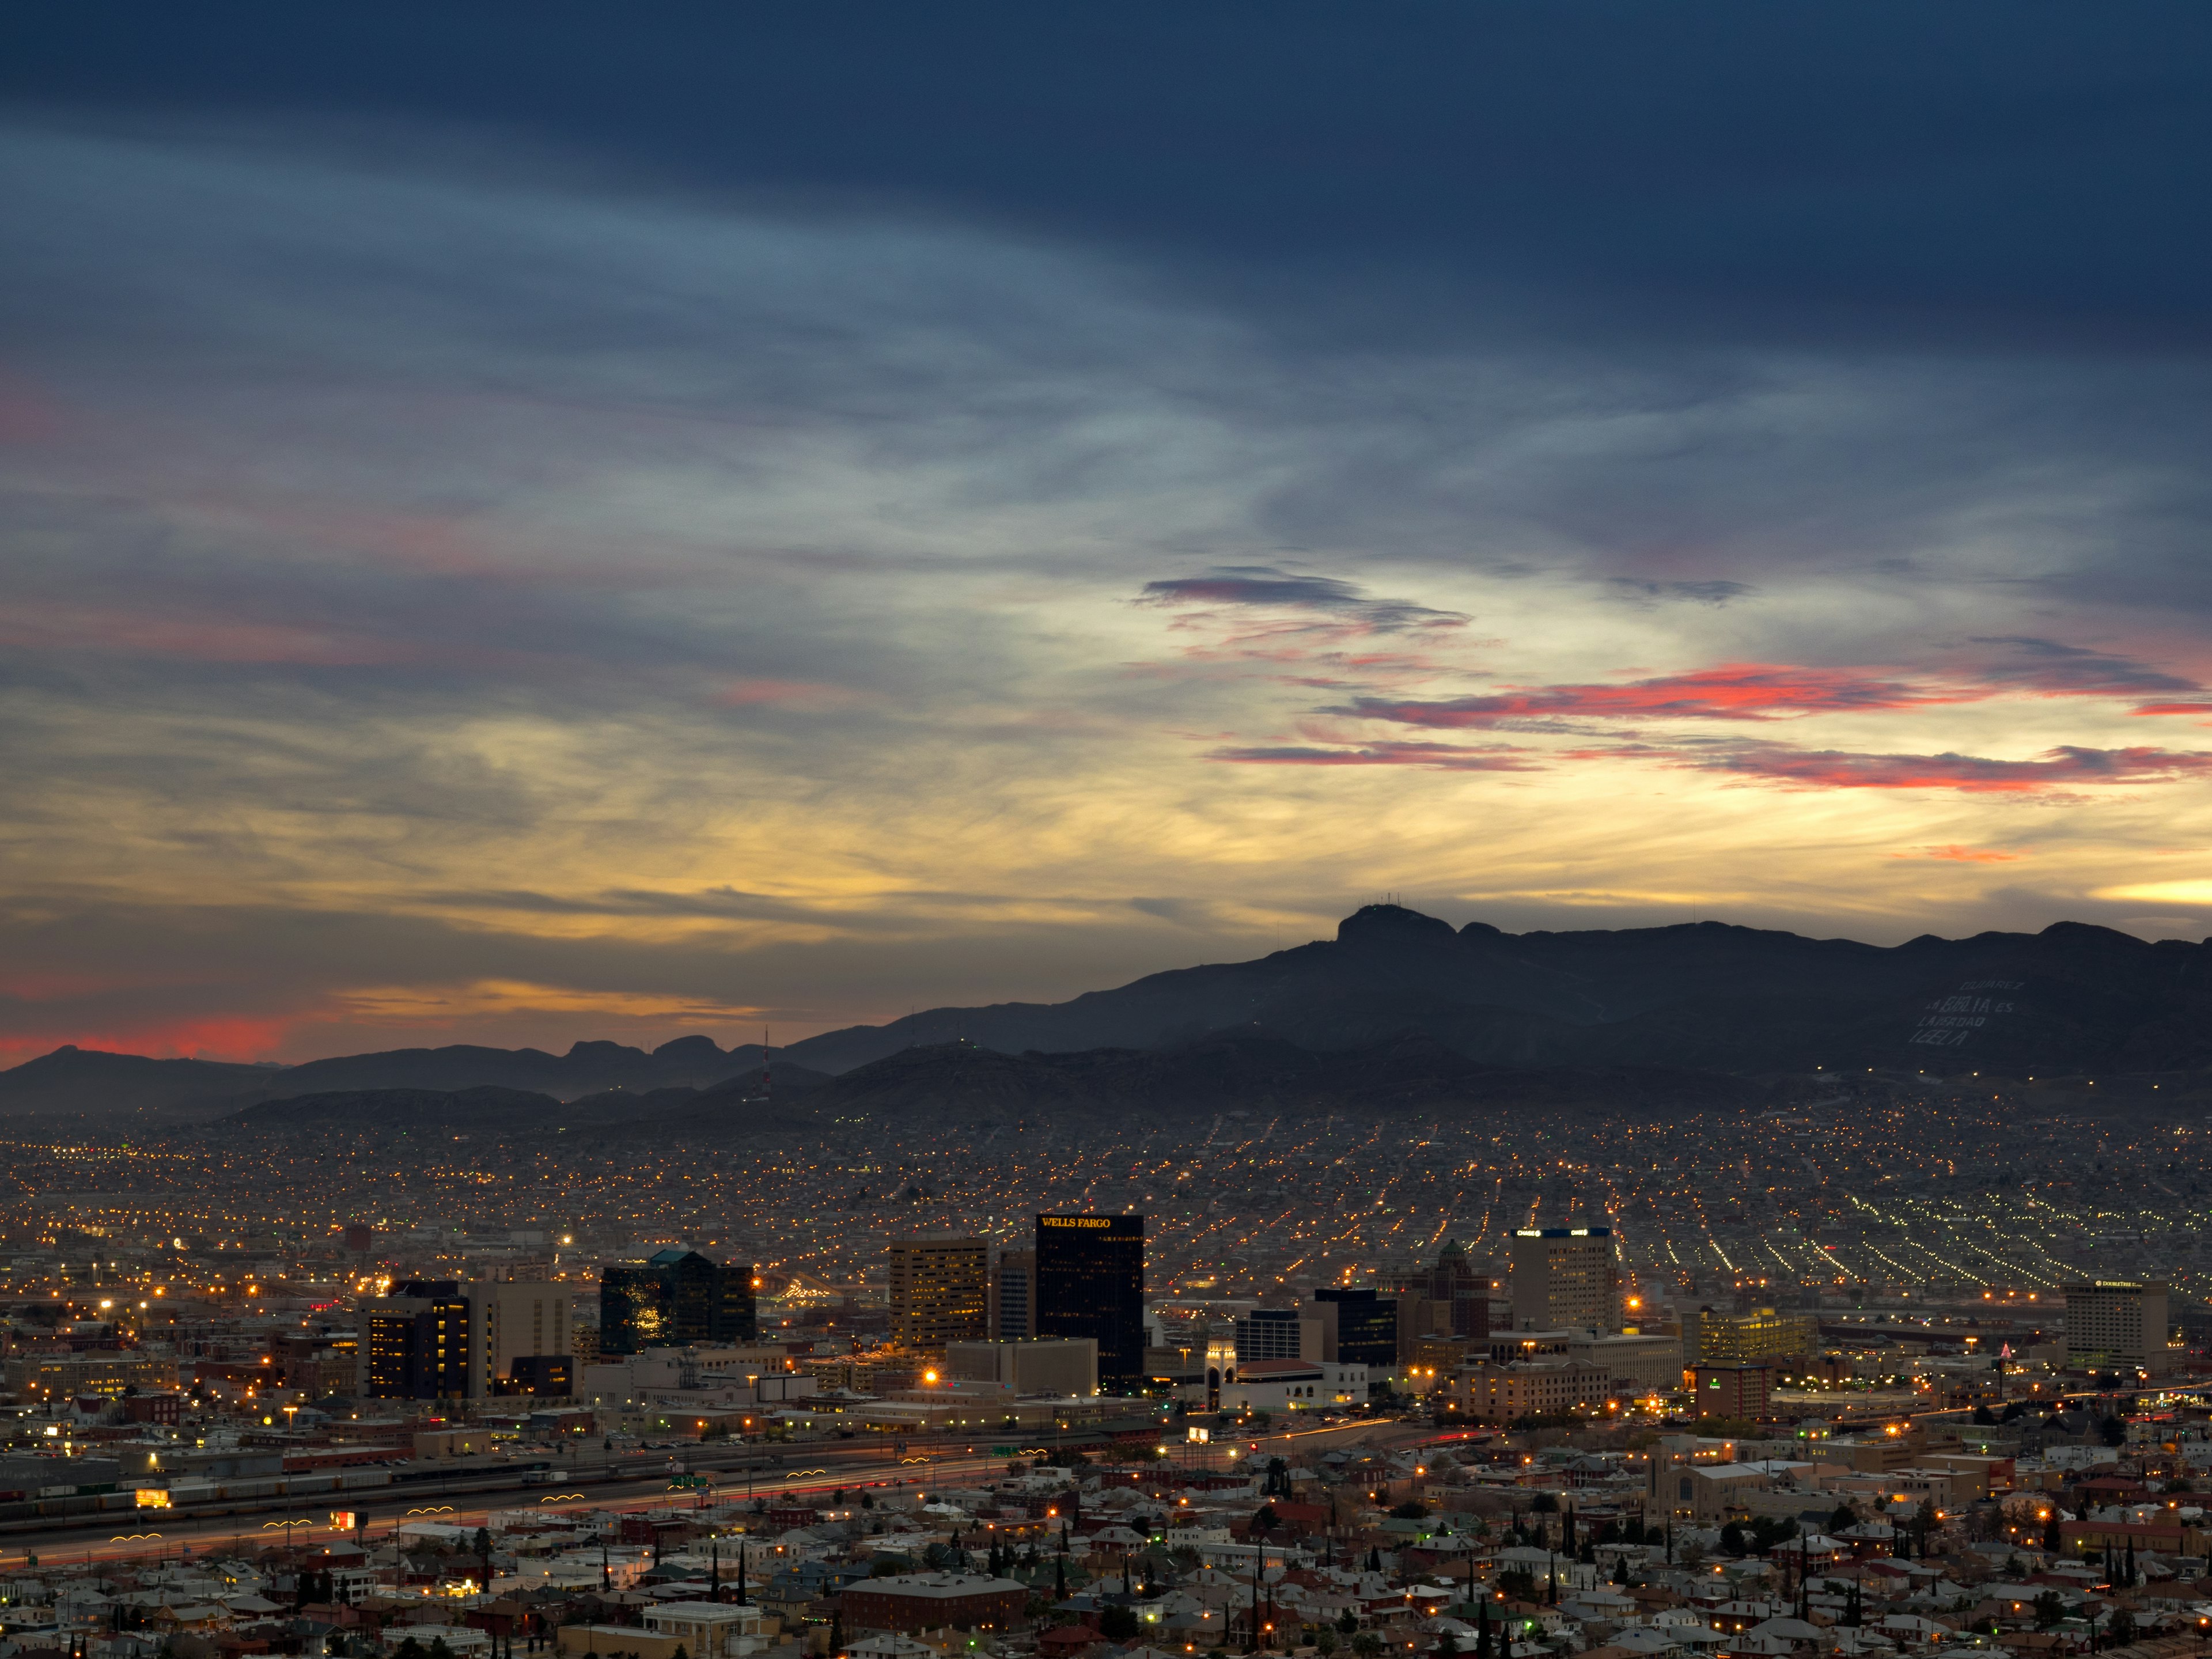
(1398, 1008)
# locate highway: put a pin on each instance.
(810, 1471)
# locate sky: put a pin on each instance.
(526, 524)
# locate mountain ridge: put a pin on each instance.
(1708, 997)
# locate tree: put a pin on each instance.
(1265, 1519)
(2120, 1628)
(2050, 1607)
(1544, 1503)
(1117, 1623)
(2112, 1431)
(1732, 1539)
(2051, 1542)
(1766, 1531)
(1842, 1519)
(1519, 1583)
(1412, 1510)
(1367, 1644)
(1324, 1642)
(1349, 1623)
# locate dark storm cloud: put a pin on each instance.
(1906, 165)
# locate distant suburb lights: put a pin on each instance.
(1340, 635)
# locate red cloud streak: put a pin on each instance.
(1732, 691)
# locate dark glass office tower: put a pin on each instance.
(416, 1342)
(1091, 1282)
(674, 1299)
(1359, 1327)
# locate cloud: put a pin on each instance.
(1718, 591)
(2065, 767)
(1263, 587)
(1500, 757)
(1733, 692)
(2055, 669)
(1961, 854)
(449, 571)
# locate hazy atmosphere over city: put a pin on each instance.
(525, 525)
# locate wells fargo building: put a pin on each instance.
(1091, 1282)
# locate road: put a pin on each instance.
(813, 1470)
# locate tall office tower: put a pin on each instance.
(1091, 1282)
(673, 1299)
(2117, 1322)
(940, 1291)
(1455, 1284)
(1013, 1295)
(516, 1319)
(1359, 1327)
(415, 1343)
(1562, 1277)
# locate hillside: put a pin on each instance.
(957, 1086)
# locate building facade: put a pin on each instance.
(417, 1343)
(1564, 1276)
(1062, 1365)
(1461, 1292)
(1091, 1282)
(1279, 1385)
(1360, 1326)
(2117, 1322)
(1280, 1333)
(673, 1298)
(1737, 1391)
(931, 1600)
(1013, 1295)
(516, 1321)
(1523, 1388)
(1734, 1339)
(940, 1291)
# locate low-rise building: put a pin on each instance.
(920, 1601)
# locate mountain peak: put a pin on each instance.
(1394, 926)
